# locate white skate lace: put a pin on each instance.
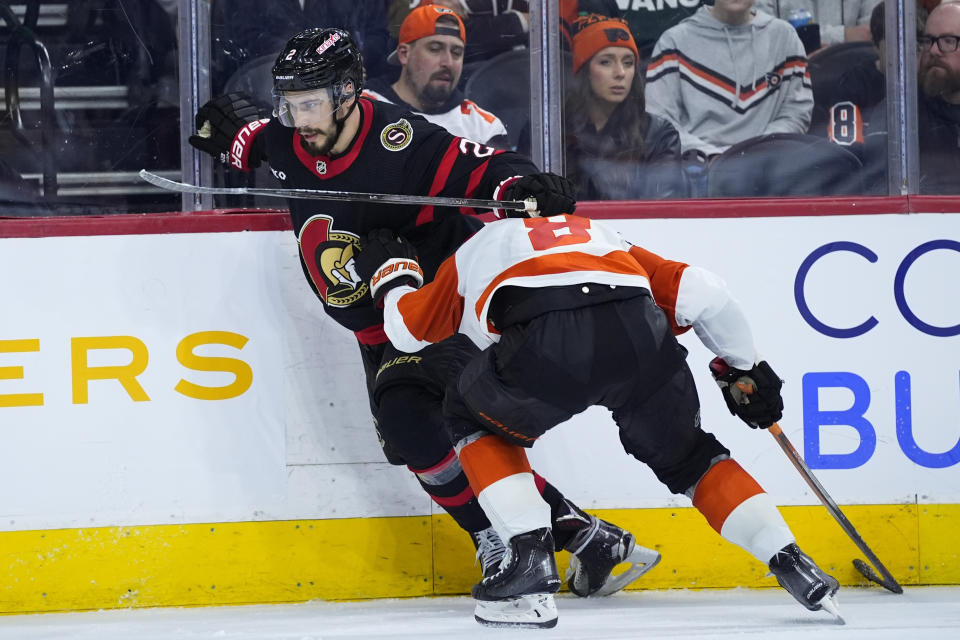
(490, 549)
(501, 568)
(584, 537)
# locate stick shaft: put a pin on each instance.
(828, 502)
(344, 196)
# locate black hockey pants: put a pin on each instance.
(621, 355)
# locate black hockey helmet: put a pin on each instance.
(319, 58)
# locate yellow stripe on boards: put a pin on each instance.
(295, 561)
(207, 564)
(939, 557)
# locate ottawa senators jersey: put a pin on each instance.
(556, 251)
(393, 152)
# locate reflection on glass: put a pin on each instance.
(113, 74)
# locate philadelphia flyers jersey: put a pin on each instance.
(393, 152)
(560, 250)
(459, 116)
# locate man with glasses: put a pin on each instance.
(939, 100)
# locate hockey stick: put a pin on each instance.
(529, 205)
(888, 581)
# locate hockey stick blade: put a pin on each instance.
(867, 572)
(888, 581)
(343, 196)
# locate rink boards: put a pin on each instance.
(182, 424)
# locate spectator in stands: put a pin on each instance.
(727, 74)
(864, 85)
(611, 140)
(939, 100)
(247, 29)
(493, 26)
(856, 91)
(938, 109)
(839, 20)
(859, 93)
(430, 55)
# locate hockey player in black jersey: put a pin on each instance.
(324, 135)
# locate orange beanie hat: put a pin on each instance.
(595, 32)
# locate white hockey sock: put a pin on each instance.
(756, 526)
(514, 506)
(740, 511)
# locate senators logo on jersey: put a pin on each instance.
(396, 136)
(328, 256)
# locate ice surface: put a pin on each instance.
(871, 613)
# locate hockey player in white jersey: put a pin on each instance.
(570, 315)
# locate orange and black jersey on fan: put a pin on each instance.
(393, 152)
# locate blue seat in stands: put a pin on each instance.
(499, 85)
(826, 68)
(255, 79)
(785, 164)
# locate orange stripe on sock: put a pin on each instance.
(490, 459)
(722, 489)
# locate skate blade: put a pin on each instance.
(641, 560)
(537, 610)
(831, 606)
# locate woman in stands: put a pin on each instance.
(615, 149)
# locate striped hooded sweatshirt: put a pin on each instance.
(719, 84)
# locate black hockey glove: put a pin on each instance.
(387, 261)
(753, 396)
(219, 123)
(554, 195)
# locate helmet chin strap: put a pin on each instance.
(342, 121)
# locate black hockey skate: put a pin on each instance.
(490, 550)
(805, 581)
(520, 594)
(596, 549)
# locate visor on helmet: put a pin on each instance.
(298, 108)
